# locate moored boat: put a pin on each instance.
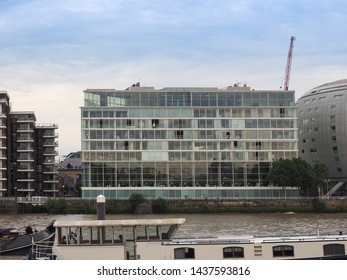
(154, 239)
(19, 243)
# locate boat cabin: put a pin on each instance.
(122, 234)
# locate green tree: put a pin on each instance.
(56, 206)
(159, 206)
(292, 173)
(135, 200)
(321, 174)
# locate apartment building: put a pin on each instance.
(27, 153)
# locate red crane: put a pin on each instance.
(289, 64)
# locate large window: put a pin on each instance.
(283, 251)
(233, 252)
(334, 249)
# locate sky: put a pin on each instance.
(53, 50)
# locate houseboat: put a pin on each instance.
(154, 239)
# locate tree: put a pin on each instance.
(293, 173)
(159, 206)
(135, 200)
(321, 174)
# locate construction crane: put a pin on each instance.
(289, 64)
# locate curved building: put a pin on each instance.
(322, 116)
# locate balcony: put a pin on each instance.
(50, 152)
(50, 135)
(25, 139)
(29, 169)
(25, 149)
(50, 171)
(25, 159)
(50, 181)
(50, 144)
(50, 162)
(25, 180)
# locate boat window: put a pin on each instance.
(334, 249)
(141, 233)
(95, 234)
(148, 233)
(129, 233)
(184, 253)
(72, 236)
(67, 235)
(283, 251)
(85, 235)
(233, 252)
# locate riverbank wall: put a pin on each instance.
(83, 206)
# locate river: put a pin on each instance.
(213, 224)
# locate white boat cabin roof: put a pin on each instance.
(121, 223)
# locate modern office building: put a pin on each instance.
(178, 143)
(322, 115)
(27, 153)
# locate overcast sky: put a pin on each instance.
(52, 50)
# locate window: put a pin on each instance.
(333, 249)
(179, 134)
(184, 253)
(155, 123)
(233, 252)
(282, 112)
(283, 251)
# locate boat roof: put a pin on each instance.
(259, 240)
(122, 223)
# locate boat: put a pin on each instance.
(14, 242)
(154, 239)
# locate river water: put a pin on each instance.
(203, 225)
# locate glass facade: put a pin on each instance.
(185, 142)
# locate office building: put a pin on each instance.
(179, 143)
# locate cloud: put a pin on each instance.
(53, 50)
